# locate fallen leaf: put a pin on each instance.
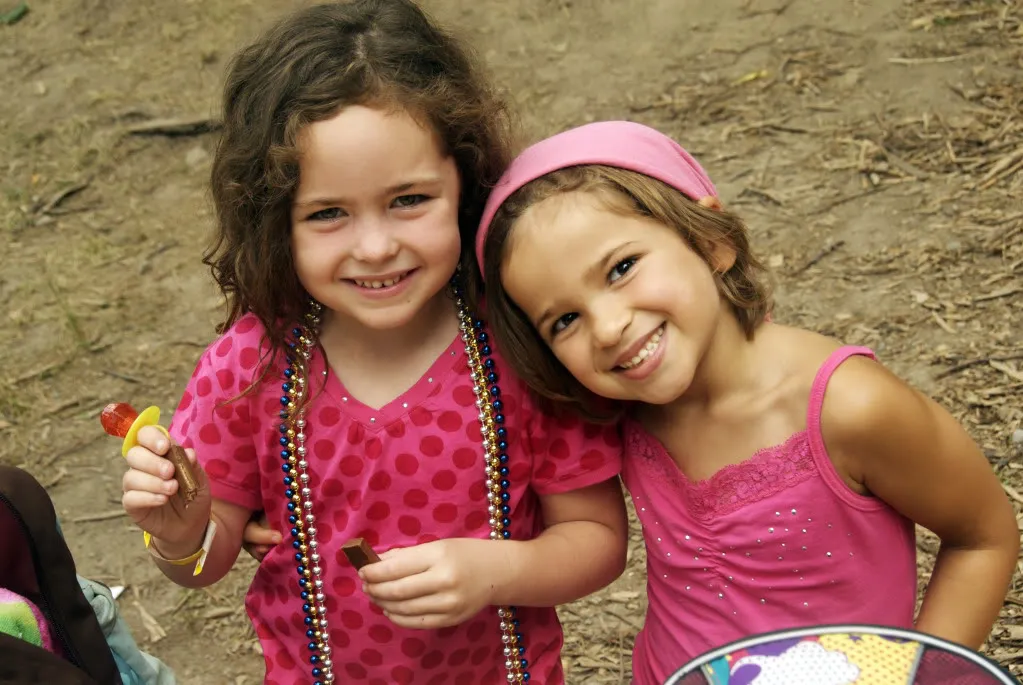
(1007, 370)
(152, 626)
(623, 596)
(752, 76)
(1014, 632)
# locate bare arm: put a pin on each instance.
(231, 520)
(908, 451)
(582, 549)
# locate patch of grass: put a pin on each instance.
(12, 407)
(15, 195)
(71, 320)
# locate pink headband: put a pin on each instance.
(621, 144)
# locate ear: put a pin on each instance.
(722, 255)
(710, 202)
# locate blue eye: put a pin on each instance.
(562, 323)
(330, 214)
(409, 201)
(621, 268)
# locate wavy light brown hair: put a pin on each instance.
(379, 53)
(744, 286)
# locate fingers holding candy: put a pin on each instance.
(121, 420)
(152, 477)
(149, 480)
(165, 490)
(359, 553)
(433, 585)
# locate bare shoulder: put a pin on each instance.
(895, 443)
(872, 419)
(863, 396)
(865, 406)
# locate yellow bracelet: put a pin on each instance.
(184, 561)
(198, 557)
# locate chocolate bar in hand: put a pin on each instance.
(359, 553)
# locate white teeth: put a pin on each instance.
(378, 284)
(647, 350)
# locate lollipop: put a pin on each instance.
(122, 421)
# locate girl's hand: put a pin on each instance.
(437, 584)
(149, 497)
(258, 537)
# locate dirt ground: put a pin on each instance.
(877, 153)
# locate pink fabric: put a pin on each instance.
(621, 144)
(12, 620)
(409, 473)
(777, 541)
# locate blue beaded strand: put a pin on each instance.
(301, 517)
(495, 448)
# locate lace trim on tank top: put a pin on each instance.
(769, 471)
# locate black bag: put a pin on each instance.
(36, 563)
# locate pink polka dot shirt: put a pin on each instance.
(408, 473)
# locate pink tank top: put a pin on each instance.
(777, 541)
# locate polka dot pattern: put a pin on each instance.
(412, 475)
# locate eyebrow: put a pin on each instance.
(596, 270)
(392, 190)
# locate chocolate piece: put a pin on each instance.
(359, 553)
(188, 486)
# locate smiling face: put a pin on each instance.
(625, 304)
(375, 217)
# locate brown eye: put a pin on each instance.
(621, 268)
(562, 323)
(409, 201)
(330, 214)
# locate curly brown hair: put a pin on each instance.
(744, 286)
(380, 53)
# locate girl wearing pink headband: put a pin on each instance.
(777, 474)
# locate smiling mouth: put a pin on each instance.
(386, 283)
(646, 351)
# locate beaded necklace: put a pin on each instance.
(309, 563)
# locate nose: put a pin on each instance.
(375, 241)
(610, 320)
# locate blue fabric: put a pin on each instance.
(136, 667)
